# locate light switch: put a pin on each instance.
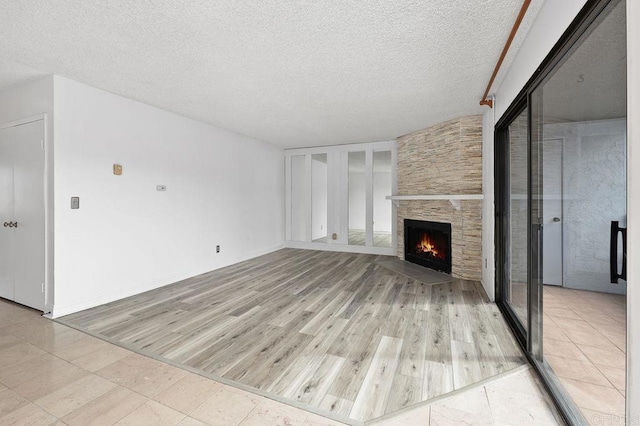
(75, 203)
(161, 188)
(117, 169)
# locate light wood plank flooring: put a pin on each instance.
(334, 332)
(358, 237)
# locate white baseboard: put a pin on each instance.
(114, 294)
(129, 290)
(382, 251)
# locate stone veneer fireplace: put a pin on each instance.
(444, 164)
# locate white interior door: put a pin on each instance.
(26, 248)
(29, 214)
(6, 215)
(552, 212)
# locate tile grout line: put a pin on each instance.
(91, 373)
(215, 378)
(582, 318)
(454, 393)
(486, 395)
(74, 365)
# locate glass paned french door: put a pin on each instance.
(319, 197)
(298, 197)
(382, 208)
(358, 198)
(338, 196)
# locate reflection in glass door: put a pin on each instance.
(552, 217)
(578, 183)
(516, 215)
(382, 209)
(357, 198)
(298, 211)
(319, 191)
(561, 202)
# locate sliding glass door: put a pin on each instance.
(518, 231)
(561, 217)
(516, 219)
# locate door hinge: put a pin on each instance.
(43, 287)
(42, 144)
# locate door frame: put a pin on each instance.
(47, 183)
(564, 138)
(501, 188)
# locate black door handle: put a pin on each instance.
(613, 256)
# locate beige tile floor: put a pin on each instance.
(514, 399)
(584, 343)
(51, 374)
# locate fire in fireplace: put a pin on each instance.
(428, 244)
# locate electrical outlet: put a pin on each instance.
(217, 249)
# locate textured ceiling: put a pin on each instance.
(296, 74)
(12, 74)
(591, 84)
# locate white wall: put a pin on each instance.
(594, 186)
(24, 101)
(633, 211)
(126, 238)
(27, 100)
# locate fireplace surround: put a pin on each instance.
(428, 244)
(445, 161)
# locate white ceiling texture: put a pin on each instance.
(294, 73)
(591, 84)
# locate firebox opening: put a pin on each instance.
(428, 244)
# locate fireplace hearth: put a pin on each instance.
(428, 244)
